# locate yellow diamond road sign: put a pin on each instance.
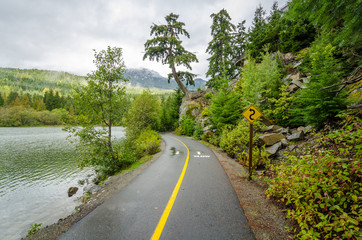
(251, 114)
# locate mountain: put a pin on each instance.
(142, 77)
(34, 80)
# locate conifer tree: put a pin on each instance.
(257, 33)
(221, 49)
(166, 46)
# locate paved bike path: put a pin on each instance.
(206, 206)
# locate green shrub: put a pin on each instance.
(198, 131)
(225, 109)
(323, 190)
(235, 142)
(187, 126)
(148, 142)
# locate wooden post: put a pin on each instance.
(250, 149)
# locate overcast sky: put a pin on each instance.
(61, 35)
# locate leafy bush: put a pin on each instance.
(144, 112)
(323, 190)
(198, 131)
(187, 126)
(148, 142)
(235, 142)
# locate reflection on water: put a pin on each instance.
(37, 166)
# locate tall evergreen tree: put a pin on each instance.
(257, 33)
(166, 46)
(221, 49)
(239, 41)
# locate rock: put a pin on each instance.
(297, 64)
(284, 131)
(292, 88)
(295, 76)
(271, 128)
(299, 129)
(291, 148)
(284, 142)
(94, 189)
(270, 139)
(232, 83)
(296, 136)
(287, 79)
(308, 128)
(298, 83)
(72, 191)
(195, 94)
(306, 80)
(273, 149)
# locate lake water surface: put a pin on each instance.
(37, 166)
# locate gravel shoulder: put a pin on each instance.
(266, 220)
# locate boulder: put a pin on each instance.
(296, 136)
(72, 191)
(296, 76)
(284, 142)
(273, 149)
(308, 128)
(270, 139)
(292, 88)
(298, 83)
(284, 131)
(297, 64)
(271, 128)
(91, 188)
(195, 94)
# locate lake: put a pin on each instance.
(37, 167)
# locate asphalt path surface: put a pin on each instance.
(206, 206)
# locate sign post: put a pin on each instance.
(251, 114)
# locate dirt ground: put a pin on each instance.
(266, 220)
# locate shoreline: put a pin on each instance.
(111, 186)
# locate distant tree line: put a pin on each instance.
(52, 108)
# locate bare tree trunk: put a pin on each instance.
(178, 81)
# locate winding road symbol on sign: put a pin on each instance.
(251, 114)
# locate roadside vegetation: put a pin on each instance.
(299, 67)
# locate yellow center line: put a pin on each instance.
(161, 224)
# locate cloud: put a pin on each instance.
(60, 35)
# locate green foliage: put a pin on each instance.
(143, 113)
(313, 106)
(187, 126)
(198, 131)
(33, 228)
(166, 46)
(235, 142)
(342, 19)
(100, 101)
(148, 142)
(170, 111)
(221, 62)
(35, 81)
(259, 81)
(2, 101)
(257, 33)
(322, 189)
(279, 108)
(225, 109)
(17, 116)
